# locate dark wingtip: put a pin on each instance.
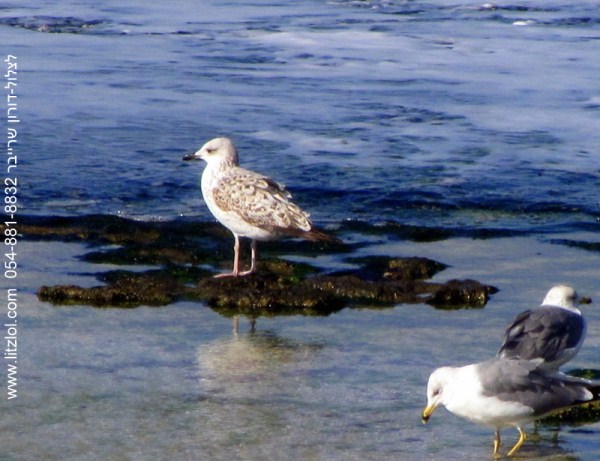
(314, 234)
(319, 235)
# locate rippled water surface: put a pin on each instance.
(463, 116)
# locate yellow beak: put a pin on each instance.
(427, 412)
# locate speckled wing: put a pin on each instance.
(546, 333)
(260, 202)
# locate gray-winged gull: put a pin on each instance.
(248, 203)
(551, 334)
(504, 392)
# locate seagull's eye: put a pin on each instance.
(210, 150)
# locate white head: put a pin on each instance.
(216, 151)
(438, 380)
(564, 296)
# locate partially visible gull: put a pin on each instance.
(551, 334)
(248, 203)
(504, 392)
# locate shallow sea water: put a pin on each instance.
(175, 383)
(463, 116)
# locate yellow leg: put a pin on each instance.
(522, 438)
(496, 443)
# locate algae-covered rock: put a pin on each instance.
(585, 413)
(127, 290)
(183, 250)
(322, 294)
(356, 290)
(585, 374)
(266, 294)
(411, 268)
(461, 293)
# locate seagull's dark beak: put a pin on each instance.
(585, 300)
(191, 156)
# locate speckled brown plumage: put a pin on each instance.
(248, 203)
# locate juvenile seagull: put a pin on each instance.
(248, 203)
(551, 334)
(500, 392)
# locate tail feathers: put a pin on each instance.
(314, 234)
(594, 388)
(591, 385)
(317, 235)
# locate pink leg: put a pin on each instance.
(253, 265)
(236, 260)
